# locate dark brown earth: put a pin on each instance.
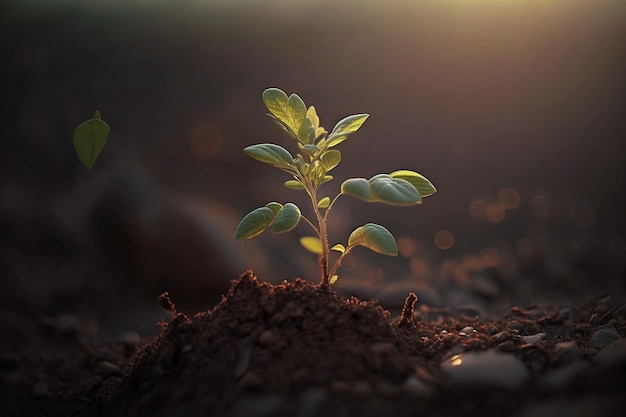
(292, 349)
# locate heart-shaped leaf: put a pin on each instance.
(287, 218)
(90, 138)
(255, 223)
(423, 185)
(271, 154)
(374, 237)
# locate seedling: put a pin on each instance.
(90, 138)
(310, 169)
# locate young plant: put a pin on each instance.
(310, 169)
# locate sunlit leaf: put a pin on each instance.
(306, 132)
(324, 203)
(289, 110)
(393, 191)
(330, 159)
(312, 114)
(339, 248)
(326, 178)
(374, 237)
(90, 138)
(423, 185)
(333, 279)
(271, 154)
(345, 127)
(287, 218)
(312, 244)
(294, 185)
(357, 187)
(274, 206)
(254, 223)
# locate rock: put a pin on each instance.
(466, 331)
(560, 378)
(415, 387)
(603, 337)
(612, 354)
(486, 368)
(566, 352)
(533, 339)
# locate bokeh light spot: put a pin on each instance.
(478, 209)
(444, 239)
(509, 198)
(540, 205)
(407, 246)
(495, 213)
(206, 140)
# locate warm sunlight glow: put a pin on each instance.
(444, 239)
(456, 360)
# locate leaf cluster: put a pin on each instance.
(310, 168)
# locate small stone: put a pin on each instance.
(486, 368)
(415, 387)
(604, 337)
(187, 348)
(41, 389)
(612, 354)
(267, 338)
(106, 368)
(566, 352)
(492, 330)
(534, 339)
(560, 378)
(467, 331)
(508, 346)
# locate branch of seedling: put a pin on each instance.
(310, 170)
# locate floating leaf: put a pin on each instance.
(287, 218)
(294, 185)
(339, 248)
(345, 127)
(312, 244)
(333, 279)
(324, 203)
(330, 159)
(358, 187)
(254, 223)
(374, 237)
(90, 138)
(423, 185)
(271, 154)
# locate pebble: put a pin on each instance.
(566, 352)
(533, 339)
(466, 331)
(603, 337)
(267, 338)
(486, 368)
(612, 354)
(413, 386)
(560, 378)
(107, 368)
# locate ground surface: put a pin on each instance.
(293, 350)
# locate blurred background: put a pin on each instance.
(514, 109)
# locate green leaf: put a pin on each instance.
(287, 218)
(382, 188)
(339, 248)
(345, 127)
(393, 191)
(333, 279)
(359, 188)
(330, 159)
(374, 237)
(271, 154)
(423, 185)
(312, 114)
(325, 179)
(294, 185)
(90, 138)
(306, 132)
(324, 203)
(291, 111)
(274, 206)
(309, 149)
(312, 244)
(255, 223)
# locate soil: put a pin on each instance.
(292, 349)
